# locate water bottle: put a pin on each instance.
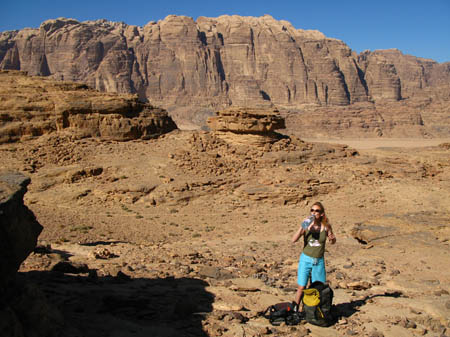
(308, 221)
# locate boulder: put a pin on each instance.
(247, 125)
(24, 307)
(18, 226)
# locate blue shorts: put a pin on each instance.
(310, 266)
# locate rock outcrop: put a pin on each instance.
(247, 126)
(24, 309)
(33, 106)
(18, 225)
(415, 74)
(192, 68)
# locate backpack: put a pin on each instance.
(317, 304)
(284, 312)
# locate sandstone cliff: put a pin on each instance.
(33, 106)
(194, 67)
(226, 60)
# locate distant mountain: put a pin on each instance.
(192, 68)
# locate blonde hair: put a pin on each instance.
(324, 219)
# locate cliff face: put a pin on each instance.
(228, 60)
(216, 62)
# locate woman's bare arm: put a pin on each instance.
(331, 236)
(298, 234)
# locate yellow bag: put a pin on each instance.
(317, 304)
(311, 297)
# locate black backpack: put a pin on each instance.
(317, 304)
(284, 312)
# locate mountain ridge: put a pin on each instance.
(192, 68)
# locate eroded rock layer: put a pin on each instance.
(246, 125)
(194, 67)
(33, 106)
(245, 120)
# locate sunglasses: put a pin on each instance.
(316, 210)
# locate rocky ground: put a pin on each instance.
(187, 235)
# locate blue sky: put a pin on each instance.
(419, 28)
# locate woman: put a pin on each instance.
(315, 230)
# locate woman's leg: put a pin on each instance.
(304, 270)
(298, 297)
(318, 272)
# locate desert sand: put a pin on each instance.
(373, 143)
(185, 235)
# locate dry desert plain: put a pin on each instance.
(186, 235)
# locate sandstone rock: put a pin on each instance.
(358, 285)
(381, 78)
(103, 253)
(192, 67)
(32, 106)
(407, 323)
(226, 306)
(246, 120)
(246, 285)
(24, 311)
(70, 267)
(18, 225)
(370, 233)
(239, 317)
(236, 59)
(376, 333)
(214, 273)
(29, 313)
(414, 73)
(247, 126)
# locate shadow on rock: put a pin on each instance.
(348, 309)
(125, 306)
(105, 243)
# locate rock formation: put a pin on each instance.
(33, 106)
(24, 310)
(18, 225)
(415, 74)
(192, 68)
(175, 61)
(247, 126)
